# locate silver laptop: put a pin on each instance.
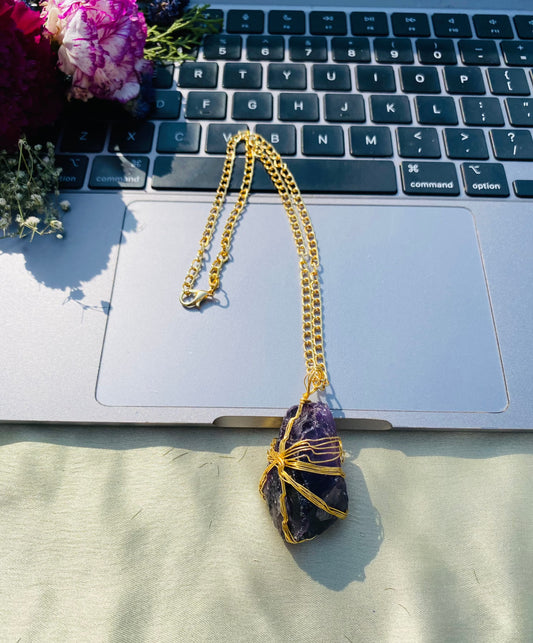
(408, 128)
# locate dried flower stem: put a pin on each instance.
(179, 41)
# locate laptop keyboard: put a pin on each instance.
(360, 102)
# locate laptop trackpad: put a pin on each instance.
(407, 318)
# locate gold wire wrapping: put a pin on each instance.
(297, 457)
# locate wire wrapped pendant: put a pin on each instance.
(303, 483)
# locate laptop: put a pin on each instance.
(408, 128)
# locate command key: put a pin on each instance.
(429, 178)
(114, 172)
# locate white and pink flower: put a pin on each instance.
(101, 45)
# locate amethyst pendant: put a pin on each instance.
(312, 444)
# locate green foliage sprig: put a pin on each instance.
(179, 41)
(29, 190)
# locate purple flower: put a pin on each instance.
(101, 45)
(164, 12)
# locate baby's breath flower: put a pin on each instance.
(29, 188)
(32, 222)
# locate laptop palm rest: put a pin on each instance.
(407, 318)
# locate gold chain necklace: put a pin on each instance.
(297, 449)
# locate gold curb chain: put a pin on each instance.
(257, 148)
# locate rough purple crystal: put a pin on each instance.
(306, 520)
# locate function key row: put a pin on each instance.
(337, 77)
(432, 51)
(376, 23)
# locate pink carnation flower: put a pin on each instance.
(101, 46)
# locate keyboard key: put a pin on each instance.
(131, 136)
(419, 80)
(322, 140)
(524, 26)
(286, 76)
(312, 175)
(484, 179)
(517, 53)
(298, 107)
(344, 107)
(369, 23)
(206, 105)
(313, 48)
(481, 111)
(255, 106)
(465, 143)
(410, 24)
(283, 137)
(84, 137)
(523, 189)
(375, 79)
(218, 135)
(182, 138)
(370, 141)
(286, 22)
(344, 50)
(436, 110)
(213, 14)
(433, 51)
(114, 172)
(242, 76)
(393, 50)
(520, 111)
(512, 145)
(198, 75)
(422, 142)
(479, 52)
(327, 23)
(390, 109)
(245, 21)
(493, 26)
(508, 81)
(332, 78)
(464, 80)
(451, 25)
(167, 104)
(433, 178)
(163, 76)
(265, 48)
(222, 47)
(73, 172)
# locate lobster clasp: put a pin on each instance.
(193, 298)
